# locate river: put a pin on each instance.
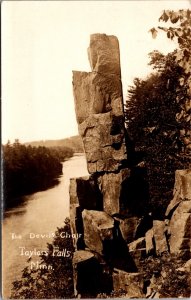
(40, 213)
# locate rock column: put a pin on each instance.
(100, 216)
(113, 230)
(99, 106)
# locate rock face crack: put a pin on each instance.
(105, 75)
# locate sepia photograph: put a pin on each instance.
(96, 149)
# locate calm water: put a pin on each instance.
(41, 213)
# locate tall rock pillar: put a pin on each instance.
(98, 204)
(99, 106)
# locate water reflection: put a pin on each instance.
(18, 201)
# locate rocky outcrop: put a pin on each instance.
(137, 244)
(109, 209)
(99, 106)
(110, 185)
(179, 215)
(105, 207)
(86, 270)
(182, 190)
(128, 227)
(103, 54)
(98, 227)
(101, 206)
(131, 283)
(84, 194)
(180, 233)
(159, 236)
(173, 234)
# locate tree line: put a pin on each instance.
(158, 112)
(27, 169)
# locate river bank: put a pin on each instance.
(39, 214)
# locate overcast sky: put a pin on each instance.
(43, 41)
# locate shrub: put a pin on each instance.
(166, 276)
(55, 282)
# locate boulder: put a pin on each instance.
(84, 192)
(128, 227)
(137, 244)
(101, 236)
(183, 183)
(180, 233)
(86, 274)
(159, 236)
(122, 196)
(98, 227)
(132, 228)
(96, 94)
(106, 282)
(182, 190)
(103, 54)
(104, 142)
(110, 185)
(135, 192)
(81, 256)
(179, 213)
(131, 283)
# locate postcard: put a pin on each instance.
(96, 146)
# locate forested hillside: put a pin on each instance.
(158, 111)
(28, 169)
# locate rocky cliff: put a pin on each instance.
(108, 209)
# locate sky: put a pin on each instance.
(43, 41)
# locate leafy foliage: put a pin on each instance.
(181, 32)
(28, 169)
(166, 276)
(151, 111)
(49, 283)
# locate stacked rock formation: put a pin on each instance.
(109, 220)
(173, 234)
(102, 218)
(99, 106)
